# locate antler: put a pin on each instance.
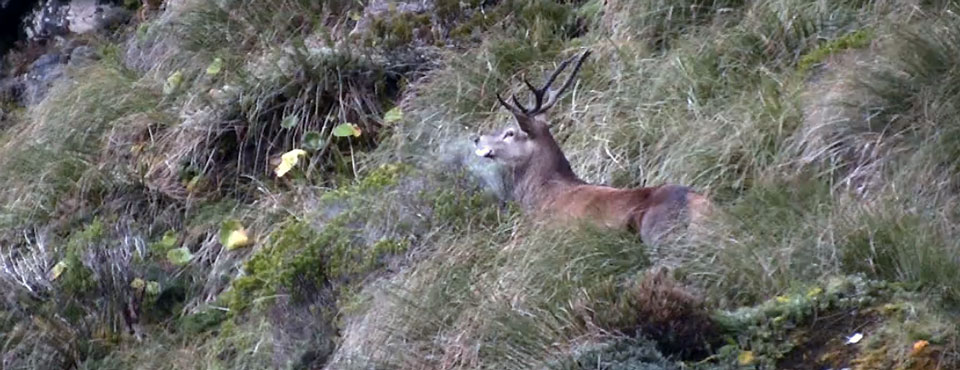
(544, 98)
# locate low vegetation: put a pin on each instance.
(143, 223)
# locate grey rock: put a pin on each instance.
(81, 56)
(49, 19)
(59, 17)
(43, 72)
(90, 16)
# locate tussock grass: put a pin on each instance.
(825, 131)
(48, 155)
(288, 75)
(509, 301)
(716, 100)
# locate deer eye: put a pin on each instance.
(507, 134)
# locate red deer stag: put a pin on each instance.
(545, 185)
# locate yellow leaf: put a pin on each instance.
(237, 239)
(138, 284)
(918, 347)
(783, 299)
(57, 270)
(288, 160)
(814, 292)
(745, 357)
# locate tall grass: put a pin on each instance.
(716, 100)
(825, 132)
(511, 301)
(48, 154)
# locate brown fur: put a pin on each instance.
(545, 184)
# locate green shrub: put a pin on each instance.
(78, 279)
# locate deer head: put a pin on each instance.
(516, 144)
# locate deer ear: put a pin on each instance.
(526, 123)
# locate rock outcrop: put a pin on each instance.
(47, 25)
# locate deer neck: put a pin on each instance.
(545, 174)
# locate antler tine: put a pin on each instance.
(530, 85)
(516, 107)
(503, 103)
(537, 98)
(519, 106)
(553, 76)
(552, 95)
(543, 98)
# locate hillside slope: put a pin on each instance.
(241, 184)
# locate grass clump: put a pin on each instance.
(544, 19)
(88, 304)
(411, 264)
(657, 24)
(61, 141)
(657, 307)
(396, 30)
(515, 298)
(911, 244)
(716, 106)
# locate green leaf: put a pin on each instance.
(168, 242)
(290, 121)
(153, 288)
(346, 129)
(313, 141)
(214, 68)
(169, 239)
(393, 115)
(173, 83)
(180, 256)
